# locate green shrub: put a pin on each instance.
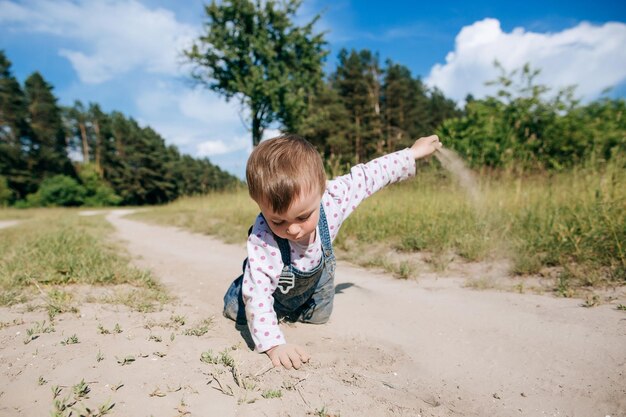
(59, 190)
(98, 192)
(5, 192)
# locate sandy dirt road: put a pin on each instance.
(392, 347)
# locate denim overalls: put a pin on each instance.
(310, 300)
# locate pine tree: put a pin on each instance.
(356, 80)
(14, 132)
(47, 153)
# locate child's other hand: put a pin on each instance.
(288, 356)
(425, 146)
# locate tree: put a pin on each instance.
(254, 52)
(14, 131)
(356, 80)
(77, 119)
(405, 107)
(47, 153)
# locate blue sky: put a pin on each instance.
(122, 54)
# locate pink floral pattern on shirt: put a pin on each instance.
(343, 195)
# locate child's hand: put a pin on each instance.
(425, 146)
(289, 356)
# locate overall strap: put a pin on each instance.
(285, 250)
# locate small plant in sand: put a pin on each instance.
(200, 329)
(155, 338)
(592, 300)
(272, 393)
(59, 302)
(81, 389)
(209, 357)
(621, 307)
(125, 361)
(68, 406)
(323, 412)
(117, 329)
(178, 320)
(99, 357)
(41, 381)
(34, 332)
(102, 330)
(56, 391)
(72, 340)
(15, 322)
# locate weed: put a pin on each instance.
(81, 390)
(178, 320)
(101, 411)
(272, 394)
(41, 381)
(99, 357)
(208, 357)
(201, 329)
(117, 329)
(15, 322)
(481, 283)
(102, 330)
(621, 307)
(72, 340)
(59, 302)
(56, 391)
(155, 338)
(157, 393)
(405, 270)
(125, 361)
(34, 332)
(592, 300)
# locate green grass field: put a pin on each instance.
(51, 249)
(573, 223)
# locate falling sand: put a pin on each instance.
(463, 175)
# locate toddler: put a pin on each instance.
(289, 272)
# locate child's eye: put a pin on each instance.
(277, 223)
(303, 218)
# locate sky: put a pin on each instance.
(126, 54)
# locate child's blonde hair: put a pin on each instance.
(282, 168)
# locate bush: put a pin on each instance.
(59, 190)
(98, 192)
(5, 192)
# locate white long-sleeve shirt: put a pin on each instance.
(343, 194)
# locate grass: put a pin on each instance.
(574, 221)
(53, 248)
(227, 215)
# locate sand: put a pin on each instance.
(400, 348)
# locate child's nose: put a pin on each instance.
(293, 229)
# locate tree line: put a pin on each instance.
(254, 52)
(117, 161)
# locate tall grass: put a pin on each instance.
(573, 221)
(225, 214)
(56, 247)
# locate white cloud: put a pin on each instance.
(223, 146)
(189, 117)
(592, 57)
(120, 35)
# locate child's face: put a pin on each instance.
(298, 223)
